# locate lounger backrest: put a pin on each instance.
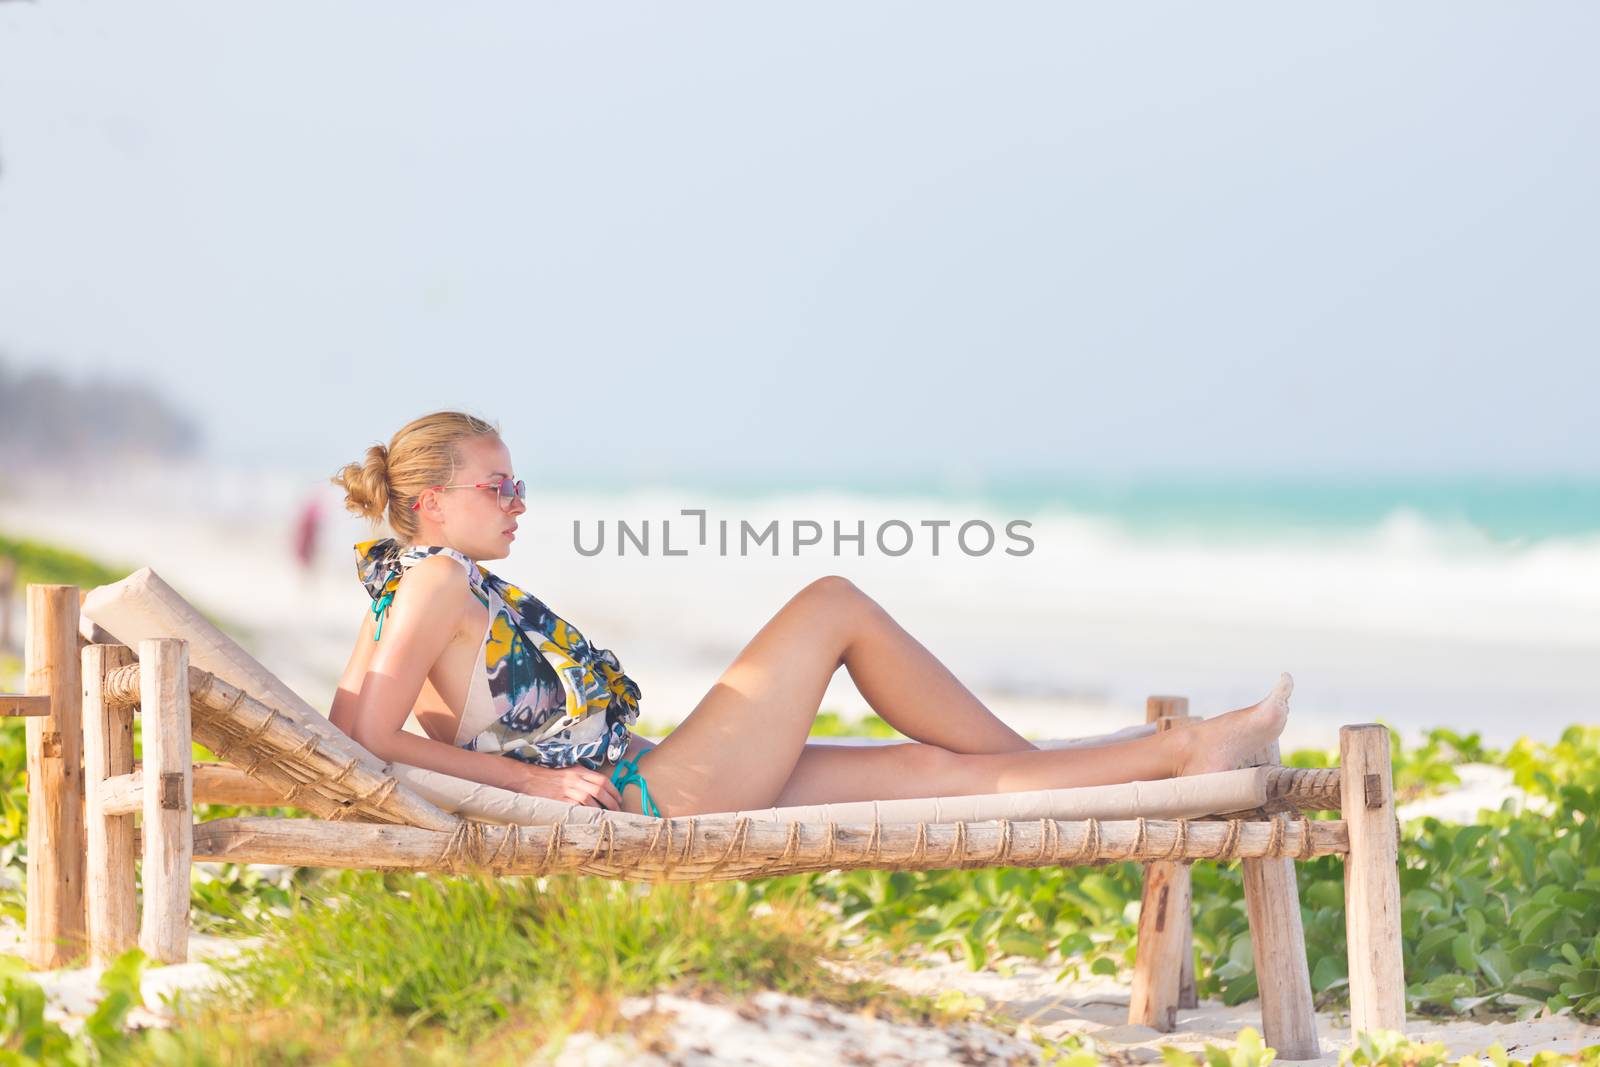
(143, 606)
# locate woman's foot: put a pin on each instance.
(1225, 742)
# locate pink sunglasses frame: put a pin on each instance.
(520, 492)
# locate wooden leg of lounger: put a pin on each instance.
(168, 797)
(1371, 881)
(54, 928)
(1278, 939)
(107, 752)
(1158, 961)
(1163, 970)
(1272, 899)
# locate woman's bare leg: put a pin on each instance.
(907, 685)
(746, 739)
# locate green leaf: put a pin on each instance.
(1562, 865)
(1328, 971)
(1462, 951)
(1495, 965)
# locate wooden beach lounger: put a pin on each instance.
(95, 659)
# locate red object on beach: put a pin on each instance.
(305, 541)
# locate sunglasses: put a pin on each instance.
(505, 491)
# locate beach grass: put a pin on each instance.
(387, 967)
(407, 965)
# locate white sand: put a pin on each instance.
(72, 992)
(776, 1030)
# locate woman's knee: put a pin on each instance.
(832, 587)
(838, 594)
(837, 603)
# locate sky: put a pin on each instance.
(763, 240)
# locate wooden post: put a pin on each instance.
(1163, 971)
(168, 797)
(55, 913)
(1158, 965)
(108, 752)
(1278, 940)
(1371, 881)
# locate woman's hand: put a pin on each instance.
(576, 785)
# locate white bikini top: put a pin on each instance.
(478, 710)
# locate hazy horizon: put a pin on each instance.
(897, 241)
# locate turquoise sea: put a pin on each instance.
(1495, 509)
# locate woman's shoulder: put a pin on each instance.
(436, 570)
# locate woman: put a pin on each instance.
(493, 673)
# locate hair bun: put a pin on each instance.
(366, 484)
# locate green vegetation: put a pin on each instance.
(1502, 916)
(47, 565)
(28, 1038)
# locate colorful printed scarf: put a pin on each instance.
(570, 703)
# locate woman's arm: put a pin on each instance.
(426, 611)
(487, 767)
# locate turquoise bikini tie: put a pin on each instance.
(622, 781)
(379, 606)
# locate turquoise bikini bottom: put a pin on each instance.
(622, 780)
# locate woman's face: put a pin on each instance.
(471, 520)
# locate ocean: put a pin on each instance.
(1467, 603)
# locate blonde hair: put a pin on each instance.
(423, 452)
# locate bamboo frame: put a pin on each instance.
(82, 696)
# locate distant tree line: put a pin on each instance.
(46, 420)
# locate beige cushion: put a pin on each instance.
(143, 606)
